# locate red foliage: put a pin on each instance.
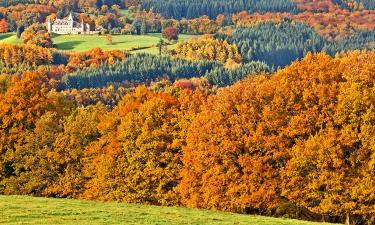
(170, 33)
(334, 24)
(93, 58)
(4, 26)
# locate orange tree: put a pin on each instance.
(286, 136)
(50, 160)
(37, 34)
(332, 171)
(137, 159)
(23, 103)
(4, 26)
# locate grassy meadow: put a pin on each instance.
(124, 12)
(31, 210)
(10, 38)
(85, 42)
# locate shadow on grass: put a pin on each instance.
(69, 45)
(119, 42)
(5, 36)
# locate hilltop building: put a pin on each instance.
(68, 26)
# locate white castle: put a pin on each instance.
(68, 26)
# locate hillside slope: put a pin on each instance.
(31, 210)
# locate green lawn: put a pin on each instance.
(9, 38)
(30, 210)
(83, 43)
(124, 12)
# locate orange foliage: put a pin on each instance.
(306, 130)
(316, 5)
(37, 35)
(333, 24)
(21, 12)
(94, 58)
(244, 19)
(25, 101)
(329, 170)
(31, 55)
(140, 151)
(4, 26)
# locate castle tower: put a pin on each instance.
(70, 18)
(71, 22)
(88, 28)
(83, 27)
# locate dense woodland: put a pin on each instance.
(189, 9)
(145, 68)
(277, 44)
(360, 40)
(270, 110)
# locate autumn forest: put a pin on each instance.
(268, 108)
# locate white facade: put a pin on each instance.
(68, 26)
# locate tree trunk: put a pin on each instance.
(349, 219)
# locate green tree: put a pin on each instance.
(143, 29)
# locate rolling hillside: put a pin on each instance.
(31, 210)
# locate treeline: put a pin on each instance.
(12, 56)
(356, 4)
(21, 16)
(189, 9)
(360, 40)
(100, 3)
(301, 139)
(16, 59)
(89, 3)
(6, 3)
(146, 68)
(278, 44)
(273, 44)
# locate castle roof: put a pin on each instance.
(64, 21)
(61, 22)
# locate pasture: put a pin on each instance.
(145, 43)
(10, 38)
(31, 210)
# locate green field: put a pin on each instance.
(124, 12)
(30, 210)
(83, 43)
(9, 38)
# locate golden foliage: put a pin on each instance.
(31, 55)
(208, 48)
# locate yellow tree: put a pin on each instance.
(208, 48)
